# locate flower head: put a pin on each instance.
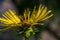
(28, 18)
(36, 16)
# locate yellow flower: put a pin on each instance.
(28, 18)
(36, 16)
(10, 19)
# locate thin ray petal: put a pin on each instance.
(14, 15)
(47, 17)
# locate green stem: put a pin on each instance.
(26, 38)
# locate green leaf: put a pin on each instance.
(28, 32)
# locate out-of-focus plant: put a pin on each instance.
(25, 23)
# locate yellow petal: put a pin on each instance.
(47, 17)
(28, 13)
(21, 18)
(42, 14)
(33, 13)
(15, 16)
(48, 12)
(39, 13)
(11, 17)
(7, 18)
(38, 24)
(4, 20)
(25, 15)
(5, 29)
